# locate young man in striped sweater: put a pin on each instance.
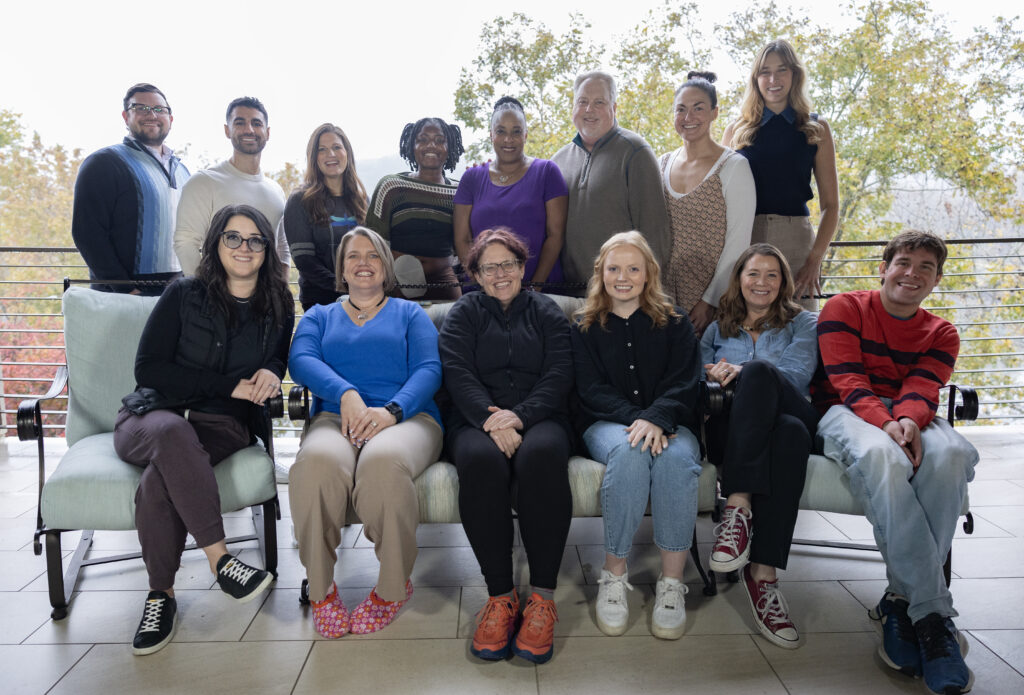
(885, 359)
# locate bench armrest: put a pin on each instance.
(30, 420)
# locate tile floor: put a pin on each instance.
(269, 645)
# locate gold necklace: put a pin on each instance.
(502, 178)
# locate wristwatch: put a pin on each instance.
(395, 410)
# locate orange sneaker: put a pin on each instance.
(535, 641)
(495, 624)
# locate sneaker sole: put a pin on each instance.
(731, 565)
(142, 651)
(765, 632)
(612, 630)
(491, 654)
(669, 633)
(534, 658)
(257, 591)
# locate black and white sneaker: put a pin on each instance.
(159, 620)
(240, 581)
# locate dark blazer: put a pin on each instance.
(520, 360)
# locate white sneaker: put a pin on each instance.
(612, 608)
(281, 473)
(669, 618)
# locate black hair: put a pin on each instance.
(507, 104)
(452, 135)
(704, 81)
(272, 294)
(142, 87)
(248, 102)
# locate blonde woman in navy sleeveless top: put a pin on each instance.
(784, 143)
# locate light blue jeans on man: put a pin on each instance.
(914, 515)
(668, 479)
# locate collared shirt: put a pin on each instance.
(793, 349)
(788, 113)
(163, 154)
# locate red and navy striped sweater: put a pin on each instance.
(869, 354)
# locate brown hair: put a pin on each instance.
(753, 103)
(315, 193)
(653, 300)
(911, 240)
(732, 308)
(498, 235)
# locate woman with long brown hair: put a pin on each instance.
(766, 345)
(331, 201)
(785, 143)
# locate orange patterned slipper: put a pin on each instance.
(330, 617)
(374, 613)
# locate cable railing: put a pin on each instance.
(982, 293)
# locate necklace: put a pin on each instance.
(502, 178)
(365, 313)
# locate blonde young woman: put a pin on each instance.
(785, 143)
(637, 369)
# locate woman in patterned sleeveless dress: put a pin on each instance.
(709, 192)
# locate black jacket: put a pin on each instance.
(632, 369)
(520, 360)
(182, 350)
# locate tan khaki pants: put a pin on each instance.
(792, 236)
(378, 478)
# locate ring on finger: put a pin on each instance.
(373, 424)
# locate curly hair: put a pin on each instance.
(653, 300)
(452, 134)
(732, 308)
(752, 108)
(314, 191)
(272, 294)
(498, 235)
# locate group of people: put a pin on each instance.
(520, 380)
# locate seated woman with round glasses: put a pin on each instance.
(508, 367)
(215, 344)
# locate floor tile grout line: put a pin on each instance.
(305, 662)
(71, 667)
(993, 653)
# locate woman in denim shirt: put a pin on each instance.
(767, 346)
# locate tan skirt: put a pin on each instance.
(794, 237)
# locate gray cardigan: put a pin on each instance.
(613, 188)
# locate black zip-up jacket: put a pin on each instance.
(182, 352)
(519, 360)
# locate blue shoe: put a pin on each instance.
(942, 660)
(899, 648)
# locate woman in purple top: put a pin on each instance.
(525, 194)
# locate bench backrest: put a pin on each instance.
(438, 310)
(101, 336)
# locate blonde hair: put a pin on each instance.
(653, 300)
(749, 122)
(387, 259)
(732, 308)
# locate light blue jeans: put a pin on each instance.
(669, 479)
(914, 516)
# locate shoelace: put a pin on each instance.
(936, 640)
(495, 612)
(617, 587)
(238, 571)
(539, 615)
(727, 533)
(672, 597)
(151, 616)
(772, 605)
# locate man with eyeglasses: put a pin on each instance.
(126, 199)
(234, 181)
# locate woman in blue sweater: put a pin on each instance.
(373, 367)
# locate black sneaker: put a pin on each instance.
(159, 619)
(942, 656)
(240, 581)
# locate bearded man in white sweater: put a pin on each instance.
(234, 181)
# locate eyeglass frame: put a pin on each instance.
(491, 269)
(246, 240)
(146, 108)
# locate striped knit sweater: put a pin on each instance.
(868, 354)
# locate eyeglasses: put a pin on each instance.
(491, 269)
(145, 108)
(233, 240)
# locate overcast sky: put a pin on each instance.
(367, 66)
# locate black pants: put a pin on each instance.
(762, 445)
(535, 481)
